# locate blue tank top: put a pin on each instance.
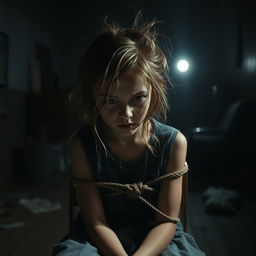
(121, 210)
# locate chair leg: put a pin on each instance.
(184, 201)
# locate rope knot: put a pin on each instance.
(136, 189)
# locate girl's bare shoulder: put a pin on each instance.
(180, 140)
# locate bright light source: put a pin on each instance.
(183, 65)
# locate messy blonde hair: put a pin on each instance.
(113, 52)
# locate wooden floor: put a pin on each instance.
(224, 235)
(42, 230)
(216, 235)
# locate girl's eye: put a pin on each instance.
(139, 98)
(110, 101)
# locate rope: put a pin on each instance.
(135, 190)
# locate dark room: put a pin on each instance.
(173, 102)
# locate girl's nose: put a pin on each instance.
(126, 112)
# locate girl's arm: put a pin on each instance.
(89, 200)
(169, 202)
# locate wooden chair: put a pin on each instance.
(74, 208)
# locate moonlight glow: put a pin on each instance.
(183, 65)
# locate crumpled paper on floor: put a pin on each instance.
(220, 200)
(39, 205)
(16, 224)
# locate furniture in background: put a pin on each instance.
(223, 155)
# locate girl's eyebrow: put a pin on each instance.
(111, 96)
(133, 94)
(140, 92)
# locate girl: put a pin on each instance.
(122, 94)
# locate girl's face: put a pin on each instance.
(125, 108)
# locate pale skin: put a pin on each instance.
(128, 103)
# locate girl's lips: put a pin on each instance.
(126, 126)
